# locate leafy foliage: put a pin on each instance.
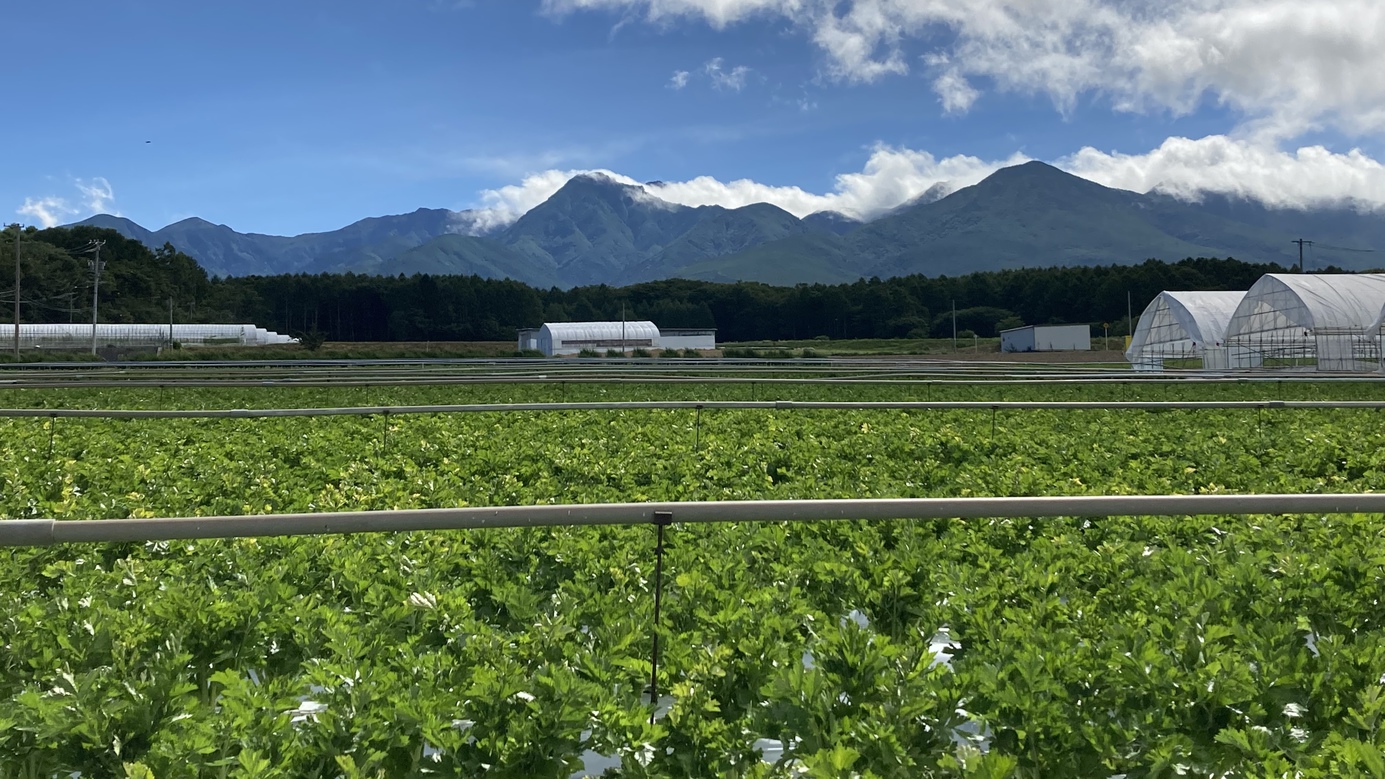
(1144, 646)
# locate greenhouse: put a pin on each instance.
(79, 336)
(1186, 327)
(559, 338)
(1321, 320)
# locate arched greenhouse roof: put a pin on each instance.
(1309, 302)
(567, 332)
(1185, 322)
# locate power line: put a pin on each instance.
(1345, 249)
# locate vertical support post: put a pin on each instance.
(662, 519)
(52, 429)
(1260, 426)
(170, 320)
(993, 410)
(18, 231)
(697, 432)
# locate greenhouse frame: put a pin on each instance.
(1324, 321)
(557, 338)
(1185, 326)
(78, 336)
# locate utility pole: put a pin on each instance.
(18, 230)
(1300, 243)
(170, 320)
(95, 289)
(1129, 318)
(622, 328)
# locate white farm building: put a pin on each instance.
(1186, 326)
(560, 338)
(78, 336)
(1318, 321)
(1047, 338)
(1323, 320)
(556, 339)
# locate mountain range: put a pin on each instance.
(595, 230)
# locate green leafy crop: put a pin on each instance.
(1083, 647)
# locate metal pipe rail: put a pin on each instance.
(43, 532)
(318, 383)
(677, 405)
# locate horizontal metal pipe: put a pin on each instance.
(39, 532)
(672, 405)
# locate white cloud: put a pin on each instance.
(1305, 177)
(955, 92)
(733, 79)
(1285, 65)
(97, 193)
(97, 197)
(679, 79)
(891, 176)
(47, 211)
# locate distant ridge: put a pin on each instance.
(596, 230)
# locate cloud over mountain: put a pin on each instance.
(1186, 168)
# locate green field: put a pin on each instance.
(1149, 646)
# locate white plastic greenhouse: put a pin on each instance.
(1184, 326)
(78, 336)
(572, 337)
(1322, 320)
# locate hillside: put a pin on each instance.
(595, 230)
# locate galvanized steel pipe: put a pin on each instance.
(40, 532)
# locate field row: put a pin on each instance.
(579, 391)
(1062, 647)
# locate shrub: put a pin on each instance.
(529, 353)
(589, 353)
(312, 340)
(669, 353)
(822, 338)
(736, 352)
(614, 353)
(810, 353)
(640, 353)
(691, 353)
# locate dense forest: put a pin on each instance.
(137, 285)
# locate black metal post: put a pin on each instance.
(52, 429)
(662, 519)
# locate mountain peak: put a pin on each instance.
(596, 180)
(191, 222)
(1033, 169)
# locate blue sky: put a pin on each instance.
(305, 115)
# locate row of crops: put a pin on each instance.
(1148, 646)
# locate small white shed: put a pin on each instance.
(1047, 338)
(703, 339)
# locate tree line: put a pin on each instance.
(137, 283)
